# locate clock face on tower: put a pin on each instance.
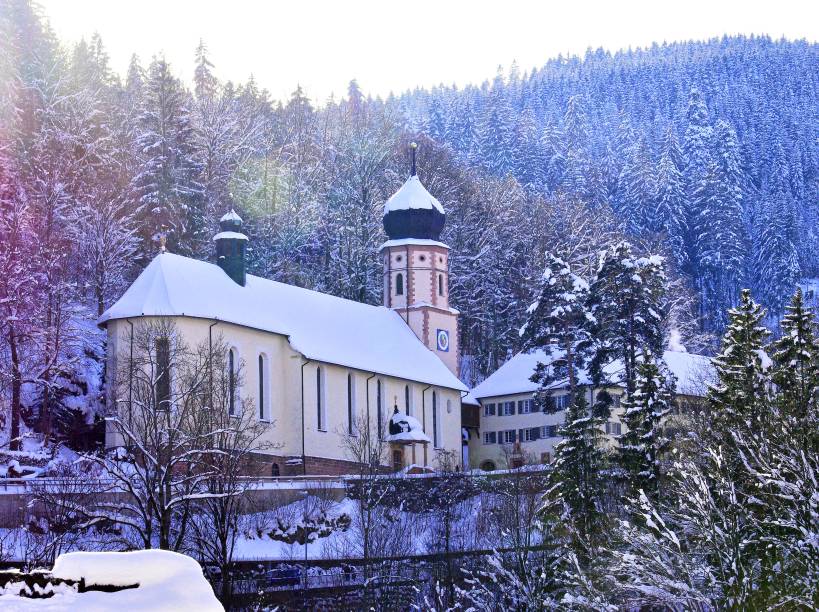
(442, 338)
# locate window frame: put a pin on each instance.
(233, 388)
(436, 425)
(264, 386)
(379, 406)
(321, 399)
(351, 405)
(162, 383)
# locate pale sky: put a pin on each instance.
(393, 46)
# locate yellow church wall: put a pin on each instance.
(284, 369)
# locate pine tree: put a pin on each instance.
(577, 177)
(795, 356)
(670, 198)
(558, 319)
(167, 189)
(572, 504)
(641, 447)
(739, 398)
(637, 188)
(627, 306)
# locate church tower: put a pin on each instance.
(416, 267)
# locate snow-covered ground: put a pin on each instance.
(167, 581)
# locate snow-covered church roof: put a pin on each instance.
(692, 373)
(319, 326)
(412, 196)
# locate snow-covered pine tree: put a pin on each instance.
(572, 505)
(739, 399)
(640, 449)
(558, 320)
(496, 131)
(627, 308)
(719, 228)
(670, 199)
(576, 178)
(795, 356)
(167, 190)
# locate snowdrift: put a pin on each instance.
(166, 581)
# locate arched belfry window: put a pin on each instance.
(399, 284)
(440, 284)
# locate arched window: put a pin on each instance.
(440, 284)
(399, 284)
(232, 361)
(264, 395)
(379, 406)
(163, 373)
(407, 400)
(320, 400)
(436, 440)
(350, 404)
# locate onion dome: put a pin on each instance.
(412, 211)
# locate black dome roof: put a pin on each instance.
(412, 212)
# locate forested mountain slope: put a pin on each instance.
(714, 144)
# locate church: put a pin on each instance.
(314, 362)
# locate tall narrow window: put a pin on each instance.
(399, 284)
(435, 437)
(319, 400)
(407, 400)
(232, 382)
(440, 284)
(350, 407)
(379, 393)
(263, 396)
(163, 373)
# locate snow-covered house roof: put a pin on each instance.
(319, 326)
(692, 372)
(412, 196)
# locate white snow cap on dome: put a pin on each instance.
(412, 195)
(231, 216)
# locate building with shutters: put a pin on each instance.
(514, 431)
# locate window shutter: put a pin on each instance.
(511, 408)
(520, 406)
(535, 433)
